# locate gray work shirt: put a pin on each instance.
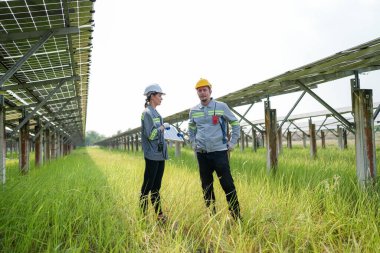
(208, 135)
(151, 135)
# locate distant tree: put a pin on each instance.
(92, 137)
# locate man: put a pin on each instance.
(208, 136)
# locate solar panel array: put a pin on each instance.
(63, 60)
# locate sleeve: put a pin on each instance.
(235, 126)
(192, 128)
(149, 129)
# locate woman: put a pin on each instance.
(155, 150)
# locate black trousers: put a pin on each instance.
(154, 170)
(218, 162)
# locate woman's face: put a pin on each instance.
(156, 99)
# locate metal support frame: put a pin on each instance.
(291, 110)
(7, 37)
(322, 124)
(23, 59)
(271, 137)
(246, 120)
(249, 108)
(42, 103)
(335, 114)
(323, 139)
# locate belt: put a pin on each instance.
(202, 151)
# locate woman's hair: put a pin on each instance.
(148, 97)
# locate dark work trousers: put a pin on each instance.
(154, 170)
(218, 162)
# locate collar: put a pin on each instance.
(210, 104)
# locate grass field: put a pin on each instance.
(88, 202)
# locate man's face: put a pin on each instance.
(204, 93)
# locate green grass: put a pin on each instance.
(88, 202)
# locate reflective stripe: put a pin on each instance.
(192, 127)
(197, 114)
(142, 116)
(153, 134)
(217, 112)
(234, 123)
(156, 120)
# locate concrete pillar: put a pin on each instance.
(246, 140)
(313, 142)
(365, 136)
(24, 147)
(38, 145)
(339, 131)
(289, 139)
(271, 138)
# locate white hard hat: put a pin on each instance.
(153, 88)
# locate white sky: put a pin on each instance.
(233, 44)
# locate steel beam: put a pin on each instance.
(23, 59)
(8, 37)
(42, 103)
(34, 84)
(291, 110)
(249, 108)
(246, 120)
(335, 114)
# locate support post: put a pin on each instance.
(271, 138)
(137, 142)
(254, 140)
(365, 136)
(241, 139)
(177, 149)
(323, 139)
(279, 139)
(3, 150)
(304, 140)
(38, 145)
(313, 141)
(47, 146)
(339, 132)
(24, 147)
(289, 139)
(53, 145)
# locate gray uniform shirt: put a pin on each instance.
(208, 135)
(151, 136)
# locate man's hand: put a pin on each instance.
(230, 146)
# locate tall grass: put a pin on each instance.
(88, 202)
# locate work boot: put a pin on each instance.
(162, 218)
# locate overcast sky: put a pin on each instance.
(233, 44)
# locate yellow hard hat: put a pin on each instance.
(202, 83)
